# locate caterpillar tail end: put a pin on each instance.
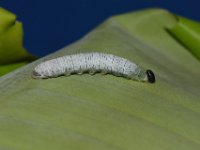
(150, 76)
(36, 75)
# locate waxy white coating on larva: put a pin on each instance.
(89, 63)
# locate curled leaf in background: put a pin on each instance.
(187, 32)
(12, 53)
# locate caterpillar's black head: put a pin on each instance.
(150, 76)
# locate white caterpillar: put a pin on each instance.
(92, 63)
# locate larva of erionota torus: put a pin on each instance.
(92, 63)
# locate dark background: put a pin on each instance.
(50, 25)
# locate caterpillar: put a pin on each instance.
(92, 63)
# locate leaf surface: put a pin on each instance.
(84, 112)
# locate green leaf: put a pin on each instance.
(12, 53)
(104, 112)
(187, 32)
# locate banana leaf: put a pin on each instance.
(187, 32)
(12, 53)
(104, 112)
